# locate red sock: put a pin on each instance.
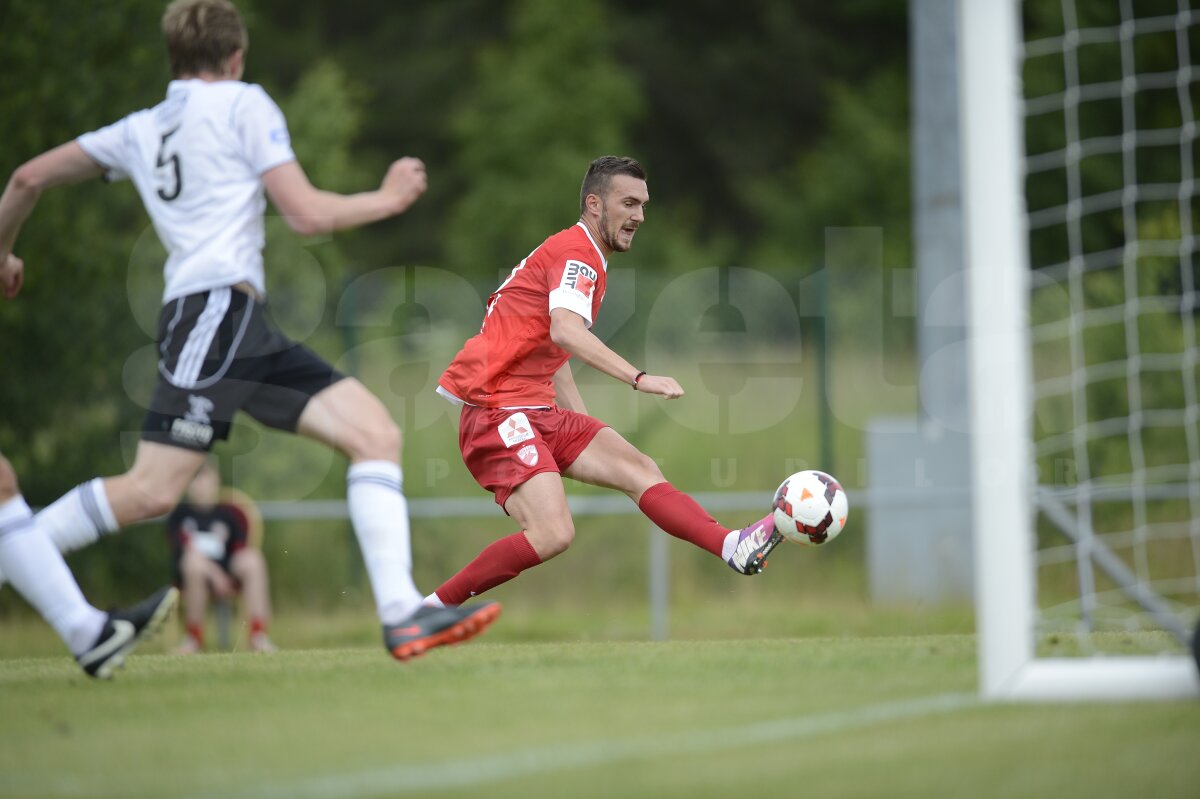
(257, 626)
(682, 517)
(196, 633)
(499, 562)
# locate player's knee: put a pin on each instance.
(555, 539)
(647, 470)
(150, 489)
(152, 499)
(160, 504)
(377, 438)
(249, 564)
(386, 437)
(192, 565)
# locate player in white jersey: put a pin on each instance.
(200, 161)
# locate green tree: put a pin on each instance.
(546, 101)
(68, 334)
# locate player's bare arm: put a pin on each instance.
(566, 392)
(309, 210)
(65, 164)
(569, 331)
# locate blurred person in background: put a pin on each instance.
(201, 161)
(215, 536)
(524, 425)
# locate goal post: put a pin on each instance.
(1008, 511)
(997, 279)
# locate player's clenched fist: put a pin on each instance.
(405, 181)
(12, 275)
(661, 385)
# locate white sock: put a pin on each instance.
(730, 544)
(79, 517)
(38, 572)
(434, 601)
(379, 513)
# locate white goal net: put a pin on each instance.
(1080, 141)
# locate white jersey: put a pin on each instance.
(197, 159)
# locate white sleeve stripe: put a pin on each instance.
(572, 301)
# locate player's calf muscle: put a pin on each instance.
(135, 499)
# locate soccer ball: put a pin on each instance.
(810, 508)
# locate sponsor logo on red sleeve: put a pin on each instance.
(581, 278)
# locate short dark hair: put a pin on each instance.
(201, 34)
(601, 171)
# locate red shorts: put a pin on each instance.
(503, 448)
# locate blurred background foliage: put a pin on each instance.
(761, 125)
(755, 124)
(764, 126)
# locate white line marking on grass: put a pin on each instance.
(546, 759)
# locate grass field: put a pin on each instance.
(862, 715)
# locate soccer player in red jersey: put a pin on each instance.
(524, 425)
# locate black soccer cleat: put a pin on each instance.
(124, 630)
(754, 544)
(429, 627)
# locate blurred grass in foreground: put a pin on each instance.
(846, 716)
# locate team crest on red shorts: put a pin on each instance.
(528, 455)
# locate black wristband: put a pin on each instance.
(636, 378)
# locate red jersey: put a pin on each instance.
(511, 362)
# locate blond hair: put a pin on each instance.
(202, 34)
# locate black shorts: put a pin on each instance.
(219, 352)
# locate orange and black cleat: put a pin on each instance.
(429, 627)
